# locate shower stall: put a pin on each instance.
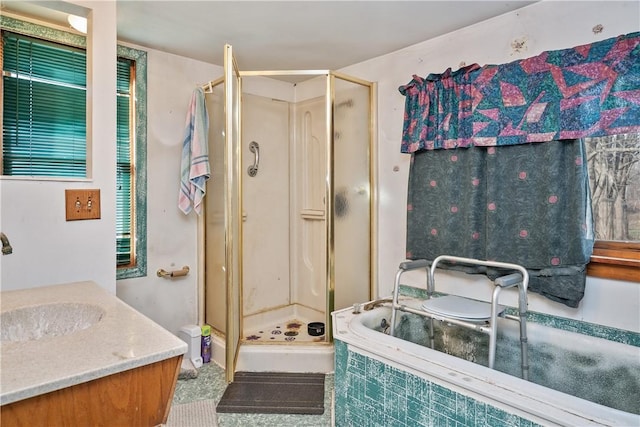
(287, 229)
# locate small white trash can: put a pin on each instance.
(191, 335)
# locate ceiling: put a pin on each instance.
(282, 35)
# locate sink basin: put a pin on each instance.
(47, 320)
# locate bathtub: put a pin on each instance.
(77, 355)
(383, 380)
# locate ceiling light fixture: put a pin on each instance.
(78, 22)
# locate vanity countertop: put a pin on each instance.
(122, 339)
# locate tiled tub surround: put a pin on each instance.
(80, 340)
(382, 380)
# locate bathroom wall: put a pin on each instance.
(49, 250)
(171, 235)
(547, 25)
(46, 248)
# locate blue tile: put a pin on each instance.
(375, 415)
(464, 409)
(383, 395)
(443, 401)
(414, 422)
(356, 391)
(499, 418)
(437, 419)
(418, 387)
(356, 363)
(396, 381)
(390, 420)
(374, 390)
(396, 407)
(375, 368)
(479, 416)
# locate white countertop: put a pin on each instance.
(123, 339)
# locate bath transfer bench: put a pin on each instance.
(469, 313)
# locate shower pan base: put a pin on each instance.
(285, 357)
(293, 331)
(287, 324)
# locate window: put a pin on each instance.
(131, 171)
(44, 123)
(44, 104)
(125, 168)
(614, 174)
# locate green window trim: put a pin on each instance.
(139, 221)
(140, 155)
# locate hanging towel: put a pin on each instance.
(194, 167)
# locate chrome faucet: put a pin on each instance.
(6, 246)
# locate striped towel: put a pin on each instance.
(194, 166)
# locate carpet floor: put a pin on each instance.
(201, 413)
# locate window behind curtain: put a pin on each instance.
(44, 101)
(614, 172)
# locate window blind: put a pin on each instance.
(44, 114)
(124, 167)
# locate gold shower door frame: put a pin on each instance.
(222, 225)
(334, 246)
(233, 263)
(233, 205)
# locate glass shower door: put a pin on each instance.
(222, 219)
(352, 190)
(215, 307)
(233, 214)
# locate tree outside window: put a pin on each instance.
(614, 174)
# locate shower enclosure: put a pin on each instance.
(288, 221)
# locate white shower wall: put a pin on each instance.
(308, 215)
(284, 229)
(265, 204)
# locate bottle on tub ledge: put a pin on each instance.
(206, 344)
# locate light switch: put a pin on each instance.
(82, 204)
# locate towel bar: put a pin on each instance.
(175, 273)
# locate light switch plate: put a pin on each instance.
(82, 204)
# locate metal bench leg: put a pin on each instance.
(432, 340)
(394, 303)
(522, 313)
(493, 334)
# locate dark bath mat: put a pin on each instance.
(274, 393)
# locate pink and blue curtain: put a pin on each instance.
(498, 168)
(590, 90)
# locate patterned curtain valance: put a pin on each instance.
(589, 90)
